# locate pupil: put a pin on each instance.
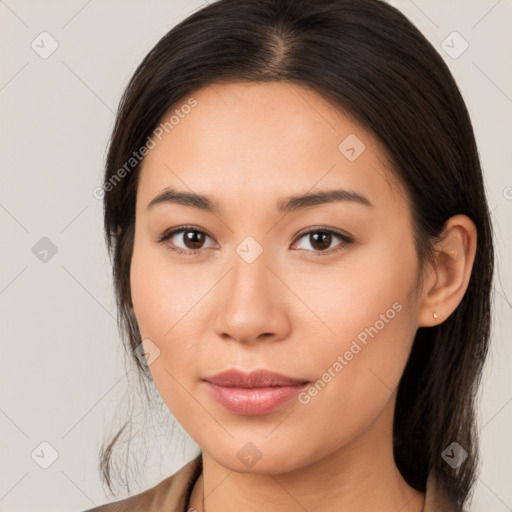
(194, 239)
(322, 239)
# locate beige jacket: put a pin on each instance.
(173, 493)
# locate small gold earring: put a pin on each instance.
(435, 315)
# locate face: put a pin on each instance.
(322, 291)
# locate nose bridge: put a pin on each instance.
(250, 306)
(250, 272)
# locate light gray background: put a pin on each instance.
(62, 365)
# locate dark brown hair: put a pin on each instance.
(365, 57)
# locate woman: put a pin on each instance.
(303, 259)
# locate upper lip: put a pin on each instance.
(255, 379)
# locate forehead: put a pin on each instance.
(268, 139)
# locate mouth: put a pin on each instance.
(255, 393)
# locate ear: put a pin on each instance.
(445, 285)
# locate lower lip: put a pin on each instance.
(253, 401)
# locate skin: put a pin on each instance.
(248, 146)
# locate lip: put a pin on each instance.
(255, 393)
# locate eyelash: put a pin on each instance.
(346, 240)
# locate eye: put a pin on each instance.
(192, 241)
(320, 240)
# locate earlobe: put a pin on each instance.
(447, 282)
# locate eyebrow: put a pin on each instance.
(289, 204)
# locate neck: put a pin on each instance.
(359, 476)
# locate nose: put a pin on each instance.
(252, 306)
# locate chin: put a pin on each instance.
(260, 457)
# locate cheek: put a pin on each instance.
(369, 308)
(366, 293)
(374, 321)
(168, 309)
(360, 379)
(162, 295)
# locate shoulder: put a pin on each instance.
(170, 495)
